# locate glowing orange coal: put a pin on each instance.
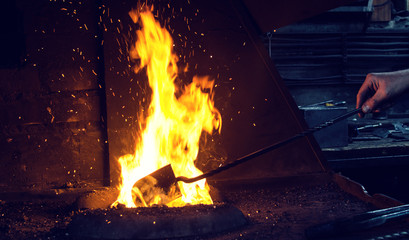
(176, 120)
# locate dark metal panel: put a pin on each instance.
(279, 115)
(270, 15)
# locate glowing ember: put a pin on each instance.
(177, 118)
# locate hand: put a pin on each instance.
(379, 89)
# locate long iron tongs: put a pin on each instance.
(269, 148)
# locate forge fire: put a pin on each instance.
(170, 134)
(96, 99)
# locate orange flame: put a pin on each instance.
(174, 124)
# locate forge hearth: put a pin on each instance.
(280, 209)
(156, 222)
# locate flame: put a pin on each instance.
(173, 126)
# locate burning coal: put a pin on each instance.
(177, 117)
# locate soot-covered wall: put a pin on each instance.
(68, 76)
(52, 128)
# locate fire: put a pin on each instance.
(177, 117)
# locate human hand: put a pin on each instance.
(379, 89)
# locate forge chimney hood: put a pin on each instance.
(256, 107)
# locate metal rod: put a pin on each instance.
(356, 223)
(269, 148)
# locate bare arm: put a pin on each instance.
(379, 89)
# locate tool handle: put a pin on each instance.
(269, 148)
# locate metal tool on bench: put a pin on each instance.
(370, 126)
(329, 103)
(398, 133)
(357, 223)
